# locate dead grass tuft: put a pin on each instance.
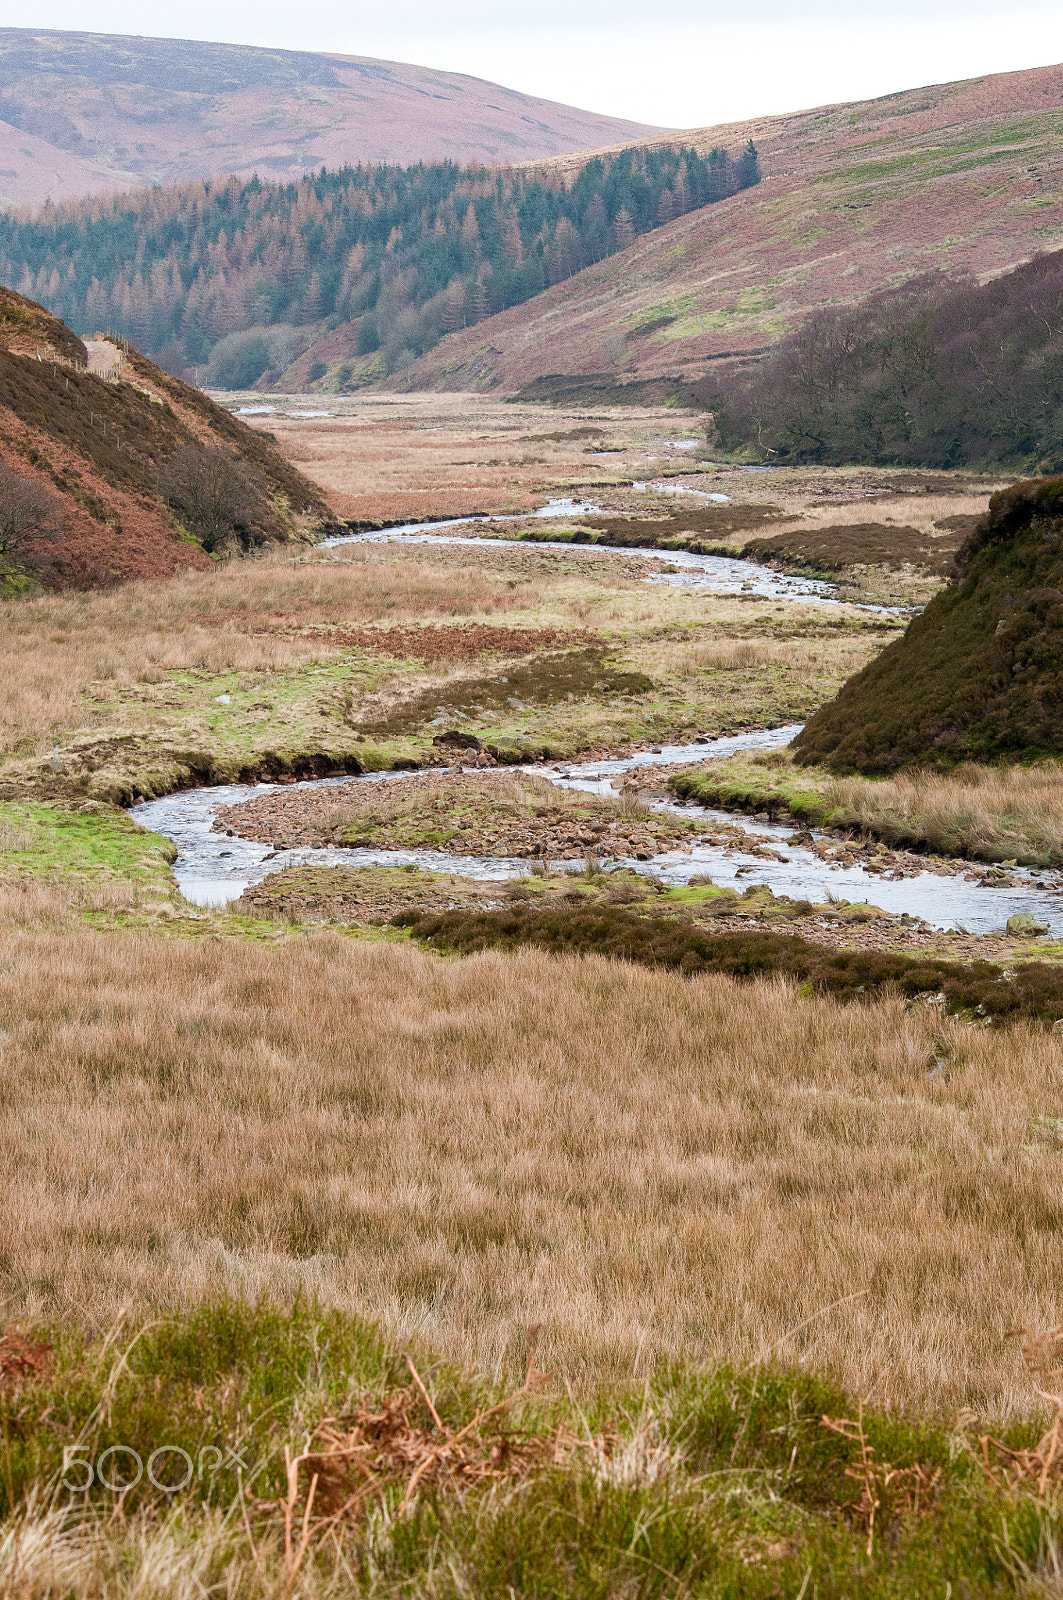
(21, 1360)
(991, 813)
(267, 615)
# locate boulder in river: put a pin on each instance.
(1026, 925)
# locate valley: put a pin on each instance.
(531, 917)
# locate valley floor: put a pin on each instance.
(759, 1221)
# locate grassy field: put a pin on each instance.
(407, 1477)
(456, 1150)
(276, 665)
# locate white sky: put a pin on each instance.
(679, 63)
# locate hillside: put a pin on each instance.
(81, 113)
(123, 472)
(856, 197)
(933, 374)
(977, 675)
(246, 275)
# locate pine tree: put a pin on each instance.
(623, 229)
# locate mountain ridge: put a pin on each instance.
(82, 113)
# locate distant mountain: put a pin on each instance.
(967, 177)
(85, 112)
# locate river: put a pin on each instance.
(212, 869)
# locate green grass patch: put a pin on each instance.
(54, 843)
(704, 1482)
(754, 783)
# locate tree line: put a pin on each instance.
(936, 373)
(229, 271)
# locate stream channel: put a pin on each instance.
(721, 574)
(212, 869)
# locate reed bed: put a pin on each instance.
(652, 1168)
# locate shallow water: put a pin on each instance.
(212, 870)
(720, 574)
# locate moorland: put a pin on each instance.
(87, 113)
(257, 1157)
(511, 1182)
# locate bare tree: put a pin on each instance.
(216, 497)
(29, 512)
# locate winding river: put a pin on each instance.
(721, 574)
(212, 869)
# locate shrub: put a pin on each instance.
(216, 497)
(239, 360)
(29, 513)
(935, 373)
(318, 370)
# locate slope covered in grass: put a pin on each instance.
(84, 113)
(976, 676)
(856, 197)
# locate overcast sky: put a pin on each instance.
(679, 63)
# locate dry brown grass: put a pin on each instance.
(801, 661)
(992, 813)
(648, 1166)
(441, 455)
(255, 616)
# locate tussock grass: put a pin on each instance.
(800, 661)
(655, 1169)
(989, 813)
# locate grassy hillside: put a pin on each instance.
(856, 197)
(125, 474)
(81, 113)
(976, 676)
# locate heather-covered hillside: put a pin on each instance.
(126, 472)
(85, 113)
(857, 197)
(979, 674)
